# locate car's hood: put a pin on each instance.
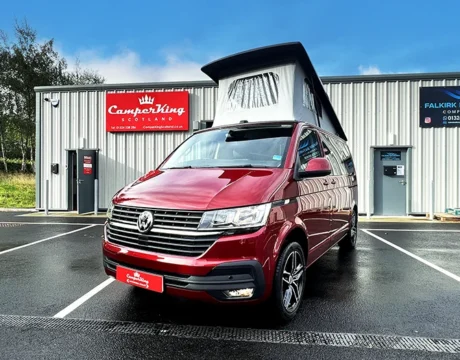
(202, 189)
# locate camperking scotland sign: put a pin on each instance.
(147, 111)
(440, 106)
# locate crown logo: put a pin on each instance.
(146, 100)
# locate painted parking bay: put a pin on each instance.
(16, 234)
(42, 278)
(375, 289)
(440, 247)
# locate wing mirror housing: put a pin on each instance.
(316, 167)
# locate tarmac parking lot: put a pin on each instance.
(395, 297)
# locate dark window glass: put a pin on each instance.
(308, 148)
(346, 158)
(236, 147)
(335, 153)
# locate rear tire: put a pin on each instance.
(349, 242)
(289, 282)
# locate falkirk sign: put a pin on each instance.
(439, 107)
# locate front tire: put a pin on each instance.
(289, 282)
(349, 242)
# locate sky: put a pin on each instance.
(141, 41)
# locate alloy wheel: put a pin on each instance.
(293, 283)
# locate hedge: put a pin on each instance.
(14, 165)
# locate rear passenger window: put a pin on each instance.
(308, 147)
(334, 152)
(347, 158)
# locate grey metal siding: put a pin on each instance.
(370, 109)
(375, 113)
(123, 157)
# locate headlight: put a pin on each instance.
(110, 211)
(245, 217)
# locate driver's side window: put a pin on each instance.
(308, 148)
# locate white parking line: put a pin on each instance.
(416, 230)
(47, 223)
(49, 238)
(83, 299)
(441, 270)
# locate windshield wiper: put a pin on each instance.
(180, 167)
(244, 166)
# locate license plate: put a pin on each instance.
(140, 279)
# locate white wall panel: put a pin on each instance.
(372, 113)
(123, 157)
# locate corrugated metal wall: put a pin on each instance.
(379, 113)
(373, 113)
(123, 157)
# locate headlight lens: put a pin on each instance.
(110, 211)
(245, 217)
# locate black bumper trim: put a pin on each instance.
(228, 276)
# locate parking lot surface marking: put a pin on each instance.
(441, 270)
(415, 230)
(46, 239)
(83, 299)
(305, 338)
(45, 223)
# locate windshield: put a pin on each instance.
(237, 147)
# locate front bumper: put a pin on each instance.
(245, 274)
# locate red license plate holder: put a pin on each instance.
(140, 279)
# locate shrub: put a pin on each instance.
(14, 165)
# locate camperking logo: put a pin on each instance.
(147, 111)
(138, 280)
(147, 100)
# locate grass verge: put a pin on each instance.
(17, 191)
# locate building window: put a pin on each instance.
(310, 99)
(253, 92)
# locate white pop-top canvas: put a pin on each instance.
(273, 93)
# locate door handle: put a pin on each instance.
(80, 181)
(402, 182)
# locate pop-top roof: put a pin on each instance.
(272, 56)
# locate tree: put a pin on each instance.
(25, 64)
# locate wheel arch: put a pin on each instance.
(295, 233)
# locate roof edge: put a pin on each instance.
(210, 83)
(391, 77)
(124, 86)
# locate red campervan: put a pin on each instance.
(236, 213)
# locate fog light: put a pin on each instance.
(240, 293)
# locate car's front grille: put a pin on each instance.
(168, 219)
(172, 233)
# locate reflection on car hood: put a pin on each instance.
(203, 189)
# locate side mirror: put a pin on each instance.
(317, 167)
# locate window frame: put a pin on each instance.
(341, 146)
(297, 158)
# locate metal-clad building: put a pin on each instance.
(379, 113)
